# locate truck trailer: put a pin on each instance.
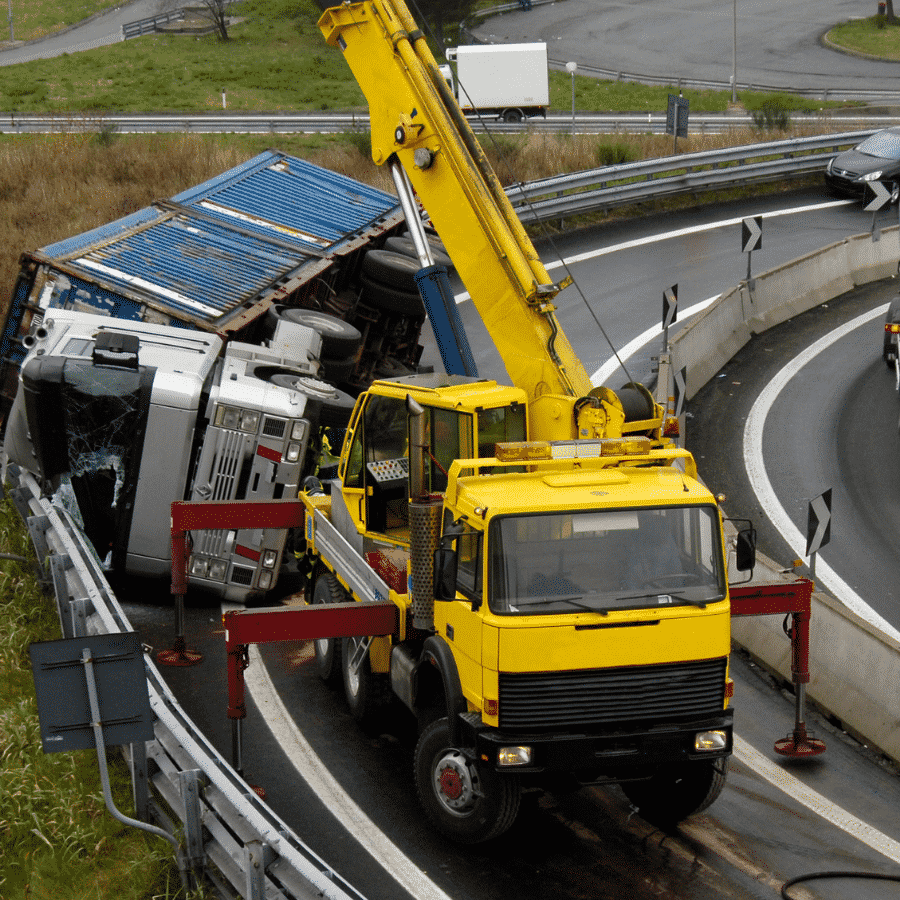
(506, 81)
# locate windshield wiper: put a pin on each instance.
(679, 597)
(572, 601)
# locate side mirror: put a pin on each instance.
(445, 562)
(745, 550)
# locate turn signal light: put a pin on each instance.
(892, 327)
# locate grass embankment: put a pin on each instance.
(57, 840)
(873, 36)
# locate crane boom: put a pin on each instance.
(415, 118)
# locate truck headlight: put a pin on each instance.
(269, 558)
(236, 419)
(298, 430)
(706, 741)
(293, 453)
(514, 756)
(199, 566)
(217, 569)
(265, 581)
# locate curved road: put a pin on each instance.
(778, 43)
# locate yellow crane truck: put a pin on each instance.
(558, 569)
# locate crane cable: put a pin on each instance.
(545, 233)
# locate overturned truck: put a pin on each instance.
(204, 348)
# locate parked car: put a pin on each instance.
(877, 158)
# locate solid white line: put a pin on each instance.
(678, 233)
(812, 800)
(759, 479)
(313, 771)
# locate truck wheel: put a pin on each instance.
(328, 650)
(406, 246)
(339, 338)
(465, 801)
(392, 300)
(512, 116)
(392, 269)
(670, 796)
(333, 404)
(368, 693)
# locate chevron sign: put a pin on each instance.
(818, 528)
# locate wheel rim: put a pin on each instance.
(455, 784)
(353, 669)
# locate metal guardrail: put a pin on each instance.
(228, 832)
(610, 186)
(151, 24)
(240, 844)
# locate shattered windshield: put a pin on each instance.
(606, 559)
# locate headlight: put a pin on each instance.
(514, 756)
(217, 569)
(199, 566)
(236, 419)
(298, 430)
(265, 581)
(873, 176)
(707, 741)
(269, 558)
(293, 453)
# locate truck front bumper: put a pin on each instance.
(613, 753)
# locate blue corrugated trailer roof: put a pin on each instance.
(207, 252)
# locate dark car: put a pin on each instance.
(877, 158)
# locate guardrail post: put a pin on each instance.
(189, 784)
(140, 786)
(259, 857)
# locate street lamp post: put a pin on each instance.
(734, 53)
(571, 68)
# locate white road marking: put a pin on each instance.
(314, 772)
(812, 800)
(759, 479)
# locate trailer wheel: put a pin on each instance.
(328, 650)
(391, 300)
(513, 116)
(668, 797)
(466, 801)
(368, 693)
(392, 269)
(339, 338)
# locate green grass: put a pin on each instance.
(276, 60)
(38, 18)
(872, 36)
(57, 839)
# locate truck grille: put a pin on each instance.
(227, 465)
(602, 697)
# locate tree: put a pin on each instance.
(440, 19)
(215, 11)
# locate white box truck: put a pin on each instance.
(508, 81)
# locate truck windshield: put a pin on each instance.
(605, 559)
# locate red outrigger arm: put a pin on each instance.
(792, 599)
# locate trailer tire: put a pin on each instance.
(394, 270)
(339, 338)
(391, 299)
(368, 693)
(328, 650)
(466, 801)
(669, 796)
(405, 246)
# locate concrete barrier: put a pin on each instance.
(854, 668)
